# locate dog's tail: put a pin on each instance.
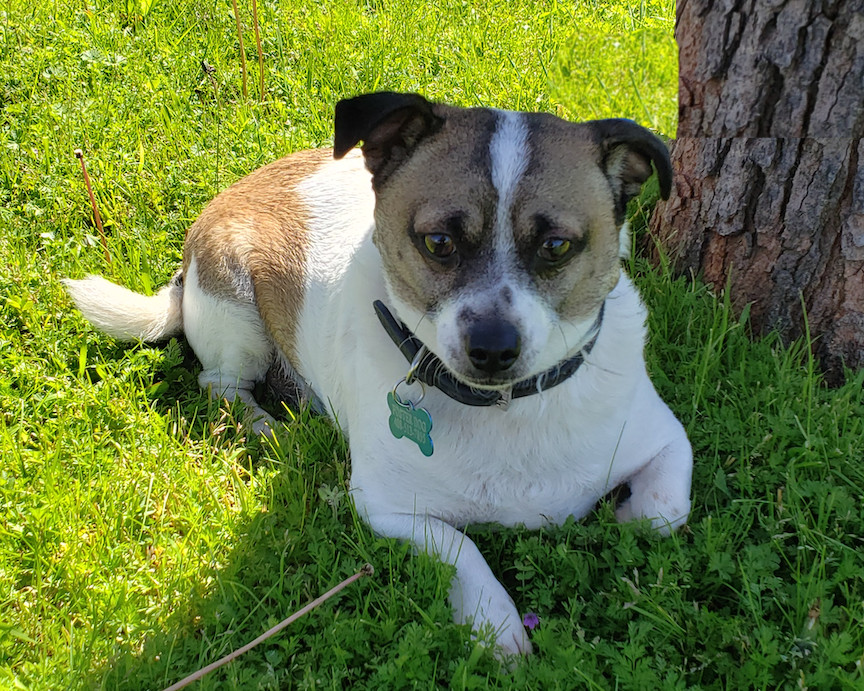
(126, 315)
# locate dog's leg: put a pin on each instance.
(475, 594)
(229, 339)
(221, 386)
(660, 490)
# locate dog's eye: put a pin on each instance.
(439, 245)
(554, 250)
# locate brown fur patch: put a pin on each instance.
(250, 243)
(447, 174)
(566, 184)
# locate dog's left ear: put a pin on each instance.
(390, 125)
(628, 151)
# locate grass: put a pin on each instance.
(144, 533)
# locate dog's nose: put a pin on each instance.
(493, 346)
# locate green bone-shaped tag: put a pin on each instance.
(411, 422)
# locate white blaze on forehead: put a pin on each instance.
(509, 155)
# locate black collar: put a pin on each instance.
(431, 371)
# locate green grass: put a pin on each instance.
(144, 533)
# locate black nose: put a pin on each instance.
(493, 346)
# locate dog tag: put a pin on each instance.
(408, 421)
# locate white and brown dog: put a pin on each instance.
(489, 243)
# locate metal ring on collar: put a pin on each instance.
(415, 364)
(404, 380)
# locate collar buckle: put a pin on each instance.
(504, 399)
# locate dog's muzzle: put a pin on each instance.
(428, 368)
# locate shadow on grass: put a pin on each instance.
(304, 537)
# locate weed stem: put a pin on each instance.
(260, 53)
(80, 156)
(367, 570)
(242, 51)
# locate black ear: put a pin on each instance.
(628, 151)
(390, 125)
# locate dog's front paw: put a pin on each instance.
(660, 491)
(666, 516)
(512, 640)
(489, 609)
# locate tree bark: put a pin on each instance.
(768, 199)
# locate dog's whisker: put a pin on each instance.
(563, 337)
(591, 361)
(419, 322)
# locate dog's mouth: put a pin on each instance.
(489, 382)
(436, 369)
(498, 388)
(493, 361)
(502, 370)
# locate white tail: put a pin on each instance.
(126, 315)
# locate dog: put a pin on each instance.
(452, 295)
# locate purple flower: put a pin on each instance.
(530, 620)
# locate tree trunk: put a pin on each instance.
(769, 165)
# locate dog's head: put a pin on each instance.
(500, 232)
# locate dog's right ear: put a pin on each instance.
(628, 151)
(390, 125)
